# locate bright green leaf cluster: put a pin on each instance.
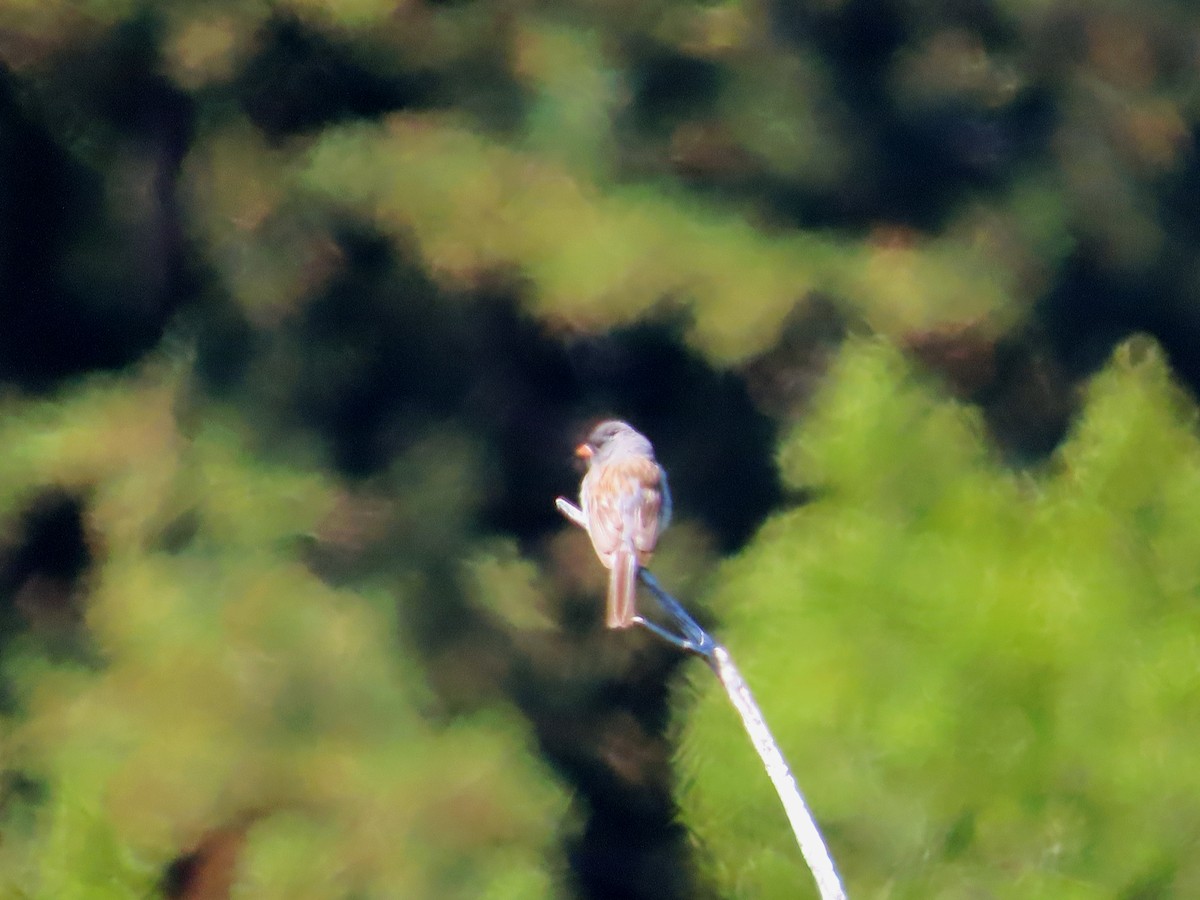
(986, 682)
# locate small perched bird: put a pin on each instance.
(625, 505)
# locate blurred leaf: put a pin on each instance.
(236, 684)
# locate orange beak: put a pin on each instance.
(584, 451)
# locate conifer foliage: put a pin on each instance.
(985, 679)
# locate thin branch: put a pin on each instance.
(686, 634)
(808, 836)
(695, 639)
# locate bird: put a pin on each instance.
(625, 506)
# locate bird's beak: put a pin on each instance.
(584, 451)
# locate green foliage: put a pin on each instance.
(235, 688)
(985, 681)
(541, 166)
(602, 256)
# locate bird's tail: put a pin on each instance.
(622, 588)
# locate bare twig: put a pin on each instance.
(686, 634)
(816, 854)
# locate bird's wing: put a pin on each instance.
(602, 511)
(642, 515)
(622, 502)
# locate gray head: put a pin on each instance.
(610, 437)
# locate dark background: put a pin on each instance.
(1061, 137)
